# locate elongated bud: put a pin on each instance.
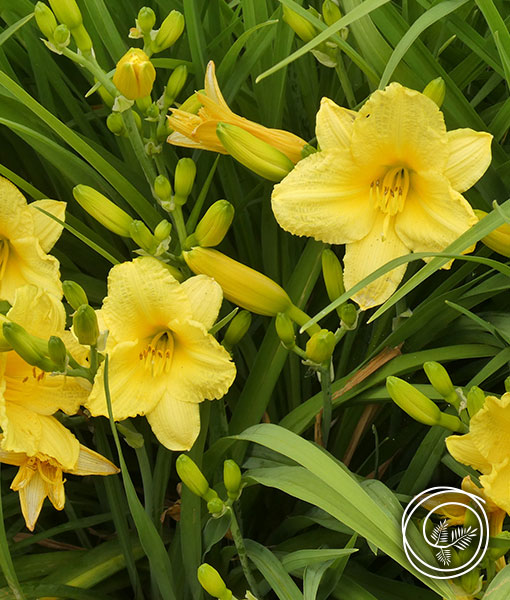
(348, 315)
(142, 236)
(212, 583)
(134, 75)
(106, 97)
(192, 104)
(162, 189)
(255, 154)
(330, 12)
(320, 346)
(213, 226)
(74, 294)
(436, 90)
(192, 477)
(146, 19)
(103, 210)
(85, 325)
(82, 39)
(32, 350)
(163, 230)
(45, 20)
(57, 352)
(439, 378)
(170, 31)
(115, 124)
(61, 36)
(184, 178)
(419, 407)
(232, 478)
(4, 344)
(241, 285)
(152, 112)
(333, 276)
(498, 239)
(67, 12)
(175, 84)
(302, 28)
(285, 330)
(237, 329)
(475, 400)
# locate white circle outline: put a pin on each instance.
(426, 495)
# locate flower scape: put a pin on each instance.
(246, 248)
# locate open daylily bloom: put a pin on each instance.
(485, 448)
(199, 131)
(163, 362)
(26, 236)
(387, 181)
(40, 476)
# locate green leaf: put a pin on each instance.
(498, 589)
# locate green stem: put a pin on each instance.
(327, 407)
(180, 227)
(138, 147)
(241, 551)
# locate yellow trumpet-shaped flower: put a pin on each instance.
(199, 131)
(163, 361)
(40, 475)
(387, 181)
(134, 75)
(26, 236)
(485, 448)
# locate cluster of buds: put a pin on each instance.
(85, 325)
(184, 179)
(50, 356)
(214, 585)
(58, 35)
(157, 40)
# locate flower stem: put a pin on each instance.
(180, 227)
(138, 147)
(327, 408)
(241, 551)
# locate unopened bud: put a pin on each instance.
(175, 84)
(184, 178)
(103, 210)
(4, 344)
(134, 75)
(475, 400)
(142, 236)
(241, 285)
(439, 378)
(232, 478)
(57, 351)
(333, 276)
(320, 346)
(163, 230)
(255, 154)
(32, 350)
(115, 124)
(192, 104)
(152, 112)
(212, 583)
(61, 36)
(82, 39)
(285, 330)
(45, 20)
(237, 329)
(162, 189)
(436, 90)
(499, 238)
(85, 325)
(146, 19)
(74, 294)
(330, 12)
(215, 506)
(67, 12)
(301, 26)
(214, 225)
(348, 315)
(106, 97)
(170, 31)
(193, 479)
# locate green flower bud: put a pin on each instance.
(184, 178)
(142, 236)
(67, 12)
(214, 225)
(146, 19)
(436, 90)
(170, 31)
(330, 12)
(152, 112)
(215, 506)
(57, 352)
(85, 325)
(143, 104)
(106, 97)
(131, 436)
(45, 20)
(285, 330)
(163, 230)
(4, 344)
(439, 378)
(175, 84)
(192, 104)
(320, 346)
(301, 26)
(471, 582)
(333, 276)
(32, 350)
(82, 39)
(162, 189)
(61, 36)
(115, 124)
(212, 583)
(237, 329)
(74, 294)
(348, 315)
(192, 476)
(103, 210)
(232, 479)
(475, 400)
(252, 152)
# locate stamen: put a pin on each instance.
(395, 186)
(158, 354)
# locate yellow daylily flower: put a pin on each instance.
(163, 362)
(485, 448)
(387, 181)
(134, 74)
(199, 131)
(26, 236)
(40, 475)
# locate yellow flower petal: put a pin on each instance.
(205, 297)
(12, 458)
(434, 214)
(464, 449)
(326, 197)
(46, 229)
(212, 89)
(178, 139)
(490, 428)
(92, 463)
(334, 125)
(31, 498)
(55, 490)
(39, 312)
(176, 424)
(400, 127)
(497, 485)
(205, 133)
(142, 298)
(15, 219)
(469, 157)
(364, 257)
